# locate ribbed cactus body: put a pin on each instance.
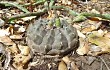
(51, 41)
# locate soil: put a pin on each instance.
(82, 62)
(93, 63)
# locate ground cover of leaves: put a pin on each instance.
(93, 52)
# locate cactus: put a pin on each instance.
(53, 41)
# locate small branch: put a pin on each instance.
(105, 63)
(86, 14)
(28, 14)
(101, 66)
(41, 12)
(103, 16)
(15, 4)
(71, 12)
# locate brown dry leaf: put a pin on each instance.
(66, 59)
(14, 49)
(97, 53)
(94, 19)
(4, 33)
(16, 29)
(95, 48)
(98, 39)
(99, 33)
(20, 60)
(70, 64)
(94, 0)
(91, 25)
(74, 66)
(62, 66)
(21, 56)
(20, 1)
(28, 18)
(107, 35)
(25, 50)
(20, 22)
(80, 34)
(88, 29)
(51, 14)
(83, 50)
(1, 11)
(84, 47)
(10, 29)
(33, 63)
(66, 2)
(2, 22)
(16, 37)
(19, 29)
(76, 26)
(8, 14)
(95, 11)
(6, 40)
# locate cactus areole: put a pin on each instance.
(51, 37)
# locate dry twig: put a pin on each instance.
(105, 63)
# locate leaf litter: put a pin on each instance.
(94, 38)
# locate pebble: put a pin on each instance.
(1, 22)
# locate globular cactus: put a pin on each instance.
(53, 40)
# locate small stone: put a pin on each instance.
(1, 22)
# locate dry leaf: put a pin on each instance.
(65, 2)
(95, 48)
(73, 66)
(4, 33)
(51, 14)
(90, 26)
(77, 26)
(20, 60)
(19, 29)
(95, 11)
(16, 36)
(10, 29)
(14, 49)
(99, 33)
(84, 47)
(81, 34)
(83, 50)
(66, 59)
(88, 29)
(62, 66)
(94, 19)
(70, 64)
(8, 14)
(98, 39)
(6, 40)
(28, 18)
(33, 63)
(1, 22)
(25, 50)
(20, 22)
(94, 1)
(107, 35)
(97, 53)
(1, 11)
